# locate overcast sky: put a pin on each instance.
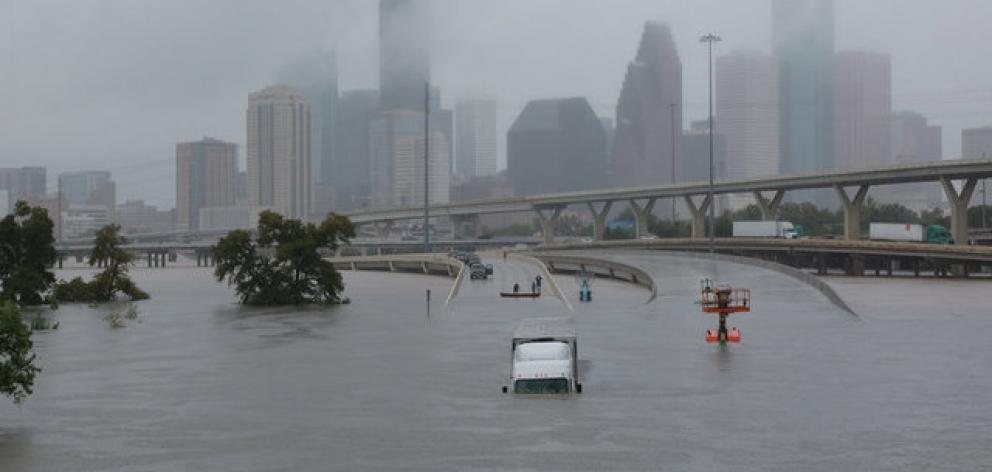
(114, 84)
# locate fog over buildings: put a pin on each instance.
(115, 88)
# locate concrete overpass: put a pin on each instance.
(851, 187)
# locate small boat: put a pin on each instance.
(520, 294)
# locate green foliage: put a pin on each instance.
(17, 368)
(289, 270)
(517, 229)
(27, 250)
(40, 323)
(109, 282)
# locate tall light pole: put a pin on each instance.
(427, 160)
(671, 106)
(709, 39)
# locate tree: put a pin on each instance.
(290, 269)
(109, 282)
(27, 250)
(17, 368)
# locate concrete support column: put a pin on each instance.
(149, 259)
(852, 210)
(548, 217)
(165, 257)
(461, 222)
(641, 214)
(698, 215)
(958, 202)
(599, 219)
(383, 228)
(768, 207)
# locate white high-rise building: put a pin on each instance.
(279, 152)
(747, 117)
(476, 137)
(397, 161)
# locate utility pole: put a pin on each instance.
(709, 39)
(427, 160)
(984, 197)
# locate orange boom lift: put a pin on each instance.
(724, 300)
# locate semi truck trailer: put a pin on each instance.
(934, 234)
(766, 229)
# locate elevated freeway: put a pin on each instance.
(957, 177)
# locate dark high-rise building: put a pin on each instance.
(803, 43)
(356, 111)
(556, 145)
(404, 54)
(649, 114)
(205, 178)
(315, 74)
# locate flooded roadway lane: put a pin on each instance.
(202, 384)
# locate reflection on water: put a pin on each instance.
(203, 384)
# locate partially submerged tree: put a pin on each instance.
(284, 266)
(27, 250)
(17, 369)
(110, 282)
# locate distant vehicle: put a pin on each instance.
(474, 259)
(485, 236)
(480, 271)
(649, 237)
(545, 357)
(933, 234)
(766, 229)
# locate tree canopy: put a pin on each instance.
(17, 368)
(284, 265)
(110, 282)
(27, 250)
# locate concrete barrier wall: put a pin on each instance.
(431, 264)
(600, 267)
(802, 276)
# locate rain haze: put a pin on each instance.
(113, 85)
(311, 235)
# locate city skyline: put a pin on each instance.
(143, 165)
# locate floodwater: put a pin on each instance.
(199, 383)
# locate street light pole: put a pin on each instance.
(709, 39)
(671, 107)
(427, 157)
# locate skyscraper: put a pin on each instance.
(404, 54)
(914, 141)
(556, 145)
(357, 109)
(803, 43)
(24, 183)
(747, 116)
(279, 151)
(477, 132)
(397, 161)
(976, 143)
(862, 110)
(315, 75)
(649, 112)
(205, 178)
(89, 188)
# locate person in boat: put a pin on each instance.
(516, 287)
(538, 280)
(533, 287)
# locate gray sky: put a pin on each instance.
(114, 84)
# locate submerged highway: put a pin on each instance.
(203, 384)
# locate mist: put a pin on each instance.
(113, 85)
